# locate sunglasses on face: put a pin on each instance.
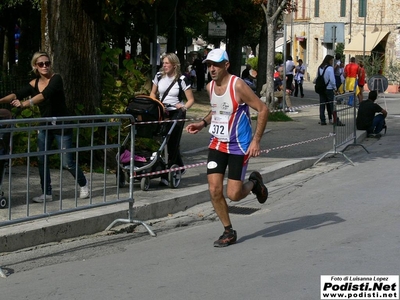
(44, 63)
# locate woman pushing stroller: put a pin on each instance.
(169, 83)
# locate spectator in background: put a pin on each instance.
(290, 66)
(246, 76)
(166, 83)
(337, 70)
(361, 81)
(298, 78)
(326, 99)
(370, 116)
(193, 77)
(47, 92)
(200, 73)
(251, 55)
(278, 94)
(351, 74)
(342, 79)
(127, 55)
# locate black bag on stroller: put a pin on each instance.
(146, 109)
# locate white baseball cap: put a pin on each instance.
(217, 55)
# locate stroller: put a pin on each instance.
(5, 114)
(151, 151)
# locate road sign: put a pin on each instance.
(333, 32)
(217, 29)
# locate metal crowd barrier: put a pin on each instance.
(23, 181)
(344, 125)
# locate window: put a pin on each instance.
(316, 11)
(342, 8)
(362, 8)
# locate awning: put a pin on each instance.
(372, 39)
(279, 44)
(301, 38)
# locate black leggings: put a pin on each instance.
(174, 152)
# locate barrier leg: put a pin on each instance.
(132, 221)
(333, 154)
(350, 145)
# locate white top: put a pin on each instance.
(289, 67)
(173, 95)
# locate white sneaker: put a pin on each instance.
(84, 191)
(40, 199)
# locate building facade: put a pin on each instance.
(366, 29)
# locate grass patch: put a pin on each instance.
(277, 116)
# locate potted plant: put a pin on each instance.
(393, 74)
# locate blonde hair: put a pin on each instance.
(174, 60)
(35, 58)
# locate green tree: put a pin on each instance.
(246, 12)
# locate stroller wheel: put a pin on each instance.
(174, 177)
(3, 202)
(145, 183)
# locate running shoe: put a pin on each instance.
(259, 189)
(226, 239)
(84, 190)
(41, 198)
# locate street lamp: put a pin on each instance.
(365, 28)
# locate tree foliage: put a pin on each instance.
(111, 23)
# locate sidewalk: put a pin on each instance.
(288, 147)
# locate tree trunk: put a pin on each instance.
(74, 46)
(262, 59)
(272, 10)
(235, 31)
(270, 61)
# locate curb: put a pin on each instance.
(57, 228)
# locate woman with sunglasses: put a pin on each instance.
(47, 92)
